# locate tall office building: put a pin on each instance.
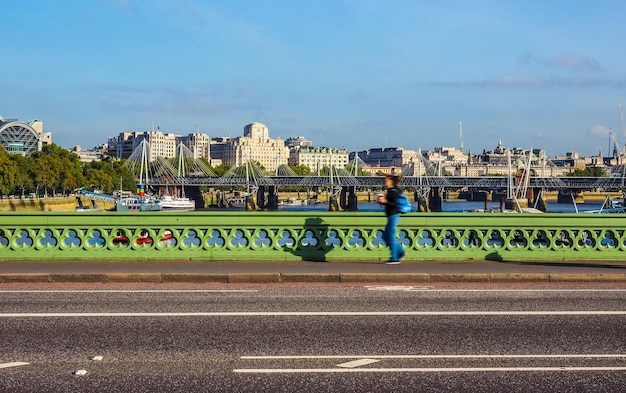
(254, 145)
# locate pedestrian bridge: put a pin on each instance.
(452, 182)
(314, 236)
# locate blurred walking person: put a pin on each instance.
(390, 200)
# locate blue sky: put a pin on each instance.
(352, 74)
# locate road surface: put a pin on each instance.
(313, 338)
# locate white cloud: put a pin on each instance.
(574, 62)
(567, 61)
(599, 131)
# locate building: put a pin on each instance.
(386, 157)
(317, 158)
(298, 141)
(86, 155)
(23, 138)
(161, 144)
(198, 144)
(254, 145)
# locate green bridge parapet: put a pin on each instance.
(237, 235)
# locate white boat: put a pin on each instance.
(293, 202)
(610, 205)
(137, 204)
(169, 202)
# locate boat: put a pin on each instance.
(293, 202)
(137, 204)
(610, 205)
(169, 202)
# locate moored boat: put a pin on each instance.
(169, 202)
(137, 204)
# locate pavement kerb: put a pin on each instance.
(309, 277)
(454, 277)
(78, 277)
(519, 277)
(252, 278)
(194, 278)
(384, 278)
(566, 277)
(24, 278)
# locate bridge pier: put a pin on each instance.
(422, 205)
(250, 205)
(434, 200)
(348, 199)
(538, 200)
(260, 197)
(567, 196)
(333, 205)
(195, 195)
(272, 198)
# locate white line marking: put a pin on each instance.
(435, 289)
(14, 364)
(503, 356)
(316, 314)
(357, 363)
(423, 370)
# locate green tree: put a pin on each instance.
(100, 179)
(360, 171)
(47, 174)
(301, 170)
(221, 169)
(25, 175)
(105, 175)
(57, 169)
(590, 171)
(8, 173)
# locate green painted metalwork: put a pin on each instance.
(237, 235)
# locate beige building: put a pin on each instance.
(161, 144)
(198, 144)
(317, 158)
(255, 145)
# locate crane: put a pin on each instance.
(617, 152)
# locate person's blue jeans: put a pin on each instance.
(389, 236)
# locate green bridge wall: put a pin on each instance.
(304, 236)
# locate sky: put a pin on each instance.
(353, 74)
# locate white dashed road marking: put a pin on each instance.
(357, 363)
(352, 366)
(13, 364)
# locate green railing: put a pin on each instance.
(239, 235)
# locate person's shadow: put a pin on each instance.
(311, 246)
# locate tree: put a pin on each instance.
(301, 170)
(8, 173)
(47, 174)
(25, 172)
(70, 176)
(590, 171)
(221, 169)
(360, 171)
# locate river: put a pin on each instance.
(455, 206)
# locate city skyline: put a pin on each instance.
(398, 74)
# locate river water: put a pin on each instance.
(455, 206)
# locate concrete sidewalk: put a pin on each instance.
(311, 272)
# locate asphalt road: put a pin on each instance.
(313, 338)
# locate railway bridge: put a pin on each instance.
(261, 192)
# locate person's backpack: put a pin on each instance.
(404, 206)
